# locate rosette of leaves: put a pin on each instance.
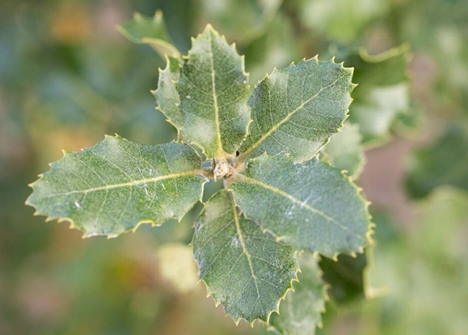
(278, 197)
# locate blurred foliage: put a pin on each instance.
(423, 272)
(445, 162)
(345, 150)
(345, 277)
(151, 31)
(67, 77)
(383, 93)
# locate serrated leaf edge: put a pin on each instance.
(370, 225)
(158, 107)
(244, 156)
(325, 288)
(289, 288)
(109, 236)
(247, 74)
(362, 163)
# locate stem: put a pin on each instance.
(207, 172)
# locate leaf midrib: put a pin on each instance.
(303, 204)
(284, 120)
(244, 247)
(130, 183)
(219, 150)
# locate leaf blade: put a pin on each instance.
(345, 150)
(167, 98)
(294, 202)
(256, 279)
(213, 90)
(442, 163)
(346, 277)
(301, 312)
(151, 31)
(288, 116)
(383, 94)
(116, 185)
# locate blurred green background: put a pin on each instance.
(67, 77)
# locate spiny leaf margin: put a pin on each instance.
(239, 185)
(258, 140)
(166, 95)
(219, 201)
(41, 185)
(212, 127)
(310, 283)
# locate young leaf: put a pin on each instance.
(213, 90)
(301, 312)
(166, 95)
(311, 206)
(244, 269)
(295, 110)
(150, 30)
(345, 151)
(114, 186)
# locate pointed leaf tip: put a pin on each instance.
(213, 90)
(115, 185)
(284, 109)
(244, 269)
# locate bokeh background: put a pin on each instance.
(67, 77)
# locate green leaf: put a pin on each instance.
(383, 92)
(340, 20)
(114, 186)
(376, 113)
(275, 47)
(150, 30)
(213, 90)
(244, 269)
(295, 110)
(345, 151)
(166, 95)
(444, 162)
(311, 206)
(426, 267)
(301, 312)
(242, 20)
(346, 277)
